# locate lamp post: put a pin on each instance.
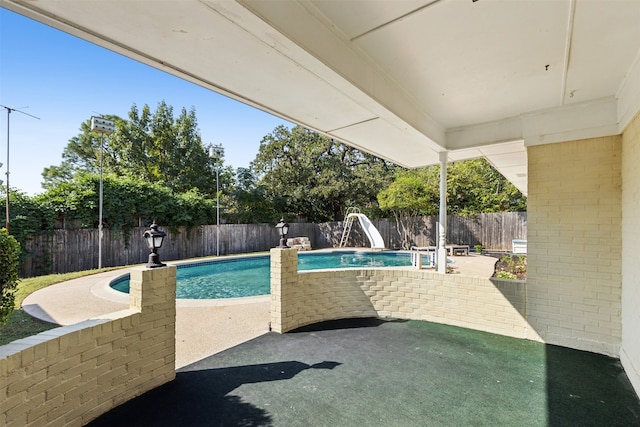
(283, 229)
(217, 152)
(9, 111)
(102, 126)
(154, 238)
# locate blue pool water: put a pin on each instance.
(249, 276)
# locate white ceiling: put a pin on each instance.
(404, 80)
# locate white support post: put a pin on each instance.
(442, 224)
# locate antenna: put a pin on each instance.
(9, 111)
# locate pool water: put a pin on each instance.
(249, 276)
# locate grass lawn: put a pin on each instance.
(20, 324)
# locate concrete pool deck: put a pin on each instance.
(203, 327)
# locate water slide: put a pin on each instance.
(370, 230)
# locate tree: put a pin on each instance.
(307, 175)
(162, 150)
(153, 147)
(473, 186)
(9, 261)
(410, 195)
(247, 202)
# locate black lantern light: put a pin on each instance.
(154, 239)
(283, 229)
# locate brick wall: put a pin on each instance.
(73, 374)
(575, 243)
(302, 298)
(630, 350)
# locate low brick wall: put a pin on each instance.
(73, 374)
(303, 298)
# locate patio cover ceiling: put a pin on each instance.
(404, 80)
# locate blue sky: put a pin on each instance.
(64, 81)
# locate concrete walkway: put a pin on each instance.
(203, 327)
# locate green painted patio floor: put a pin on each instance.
(371, 372)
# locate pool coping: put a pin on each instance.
(102, 289)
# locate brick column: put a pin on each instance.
(284, 278)
(153, 292)
(152, 286)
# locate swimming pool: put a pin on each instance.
(250, 275)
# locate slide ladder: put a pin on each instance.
(369, 229)
(348, 223)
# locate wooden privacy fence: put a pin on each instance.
(63, 251)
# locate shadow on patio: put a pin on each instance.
(389, 373)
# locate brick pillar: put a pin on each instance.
(149, 287)
(284, 278)
(153, 292)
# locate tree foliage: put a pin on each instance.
(153, 147)
(307, 175)
(248, 202)
(127, 203)
(9, 261)
(473, 186)
(409, 195)
(159, 149)
(81, 155)
(27, 215)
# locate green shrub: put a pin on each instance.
(511, 267)
(9, 261)
(505, 275)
